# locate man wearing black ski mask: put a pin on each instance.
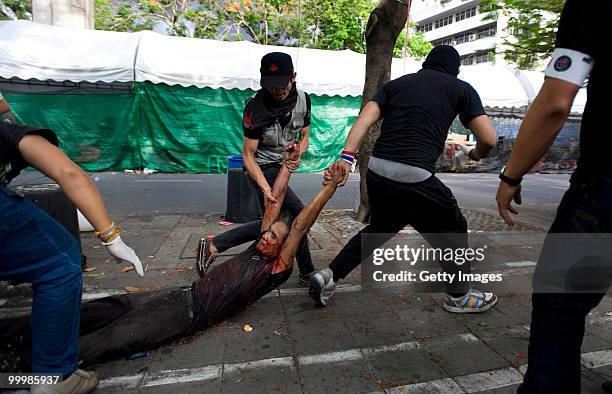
(417, 111)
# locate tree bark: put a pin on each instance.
(384, 25)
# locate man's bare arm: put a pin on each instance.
(77, 185)
(541, 125)
(485, 134)
(279, 190)
(537, 133)
(304, 221)
(249, 146)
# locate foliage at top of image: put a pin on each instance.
(321, 24)
(533, 25)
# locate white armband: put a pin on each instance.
(570, 65)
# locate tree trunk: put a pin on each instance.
(385, 24)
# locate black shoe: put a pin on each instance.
(204, 258)
(607, 387)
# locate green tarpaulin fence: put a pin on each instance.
(170, 128)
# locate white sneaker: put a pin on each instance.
(322, 286)
(474, 301)
(80, 382)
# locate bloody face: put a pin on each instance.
(272, 240)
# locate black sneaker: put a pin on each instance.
(204, 258)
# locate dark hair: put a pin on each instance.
(286, 217)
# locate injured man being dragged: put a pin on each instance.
(123, 325)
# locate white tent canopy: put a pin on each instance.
(34, 51)
(30, 50)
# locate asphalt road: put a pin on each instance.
(133, 194)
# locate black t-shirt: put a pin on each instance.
(418, 110)
(283, 119)
(584, 28)
(232, 286)
(11, 161)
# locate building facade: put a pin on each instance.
(476, 34)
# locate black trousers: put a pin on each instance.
(557, 320)
(111, 327)
(250, 231)
(428, 206)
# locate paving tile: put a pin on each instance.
(462, 354)
(303, 308)
(380, 329)
(510, 342)
(320, 336)
(265, 310)
(396, 368)
(163, 221)
(281, 379)
(429, 324)
(205, 348)
(265, 341)
(360, 302)
(341, 377)
(489, 319)
(207, 387)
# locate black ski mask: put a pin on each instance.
(443, 58)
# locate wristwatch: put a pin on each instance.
(508, 180)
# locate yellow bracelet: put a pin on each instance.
(103, 231)
(114, 234)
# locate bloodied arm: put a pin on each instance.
(304, 221)
(279, 190)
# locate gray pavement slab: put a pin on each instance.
(265, 379)
(320, 336)
(509, 342)
(464, 353)
(340, 377)
(270, 340)
(404, 367)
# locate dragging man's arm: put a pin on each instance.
(249, 146)
(304, 221)
(292, 153)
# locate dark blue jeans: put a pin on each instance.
(36, 249)
(557, 320)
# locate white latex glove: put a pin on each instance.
(121, 252)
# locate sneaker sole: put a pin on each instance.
(457, 309)
(314, 291)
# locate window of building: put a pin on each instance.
(487, 31)
(424, 28)
(465, 37)
(446, 41)
(467, 60)
(443, 22)
(484, 57)
(470, 12)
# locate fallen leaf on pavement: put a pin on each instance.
(483, 324)
(89, 269)
(127, 269)
(247, 328)
(520, 355)
(131, 289)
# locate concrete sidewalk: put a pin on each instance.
(364, 341)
